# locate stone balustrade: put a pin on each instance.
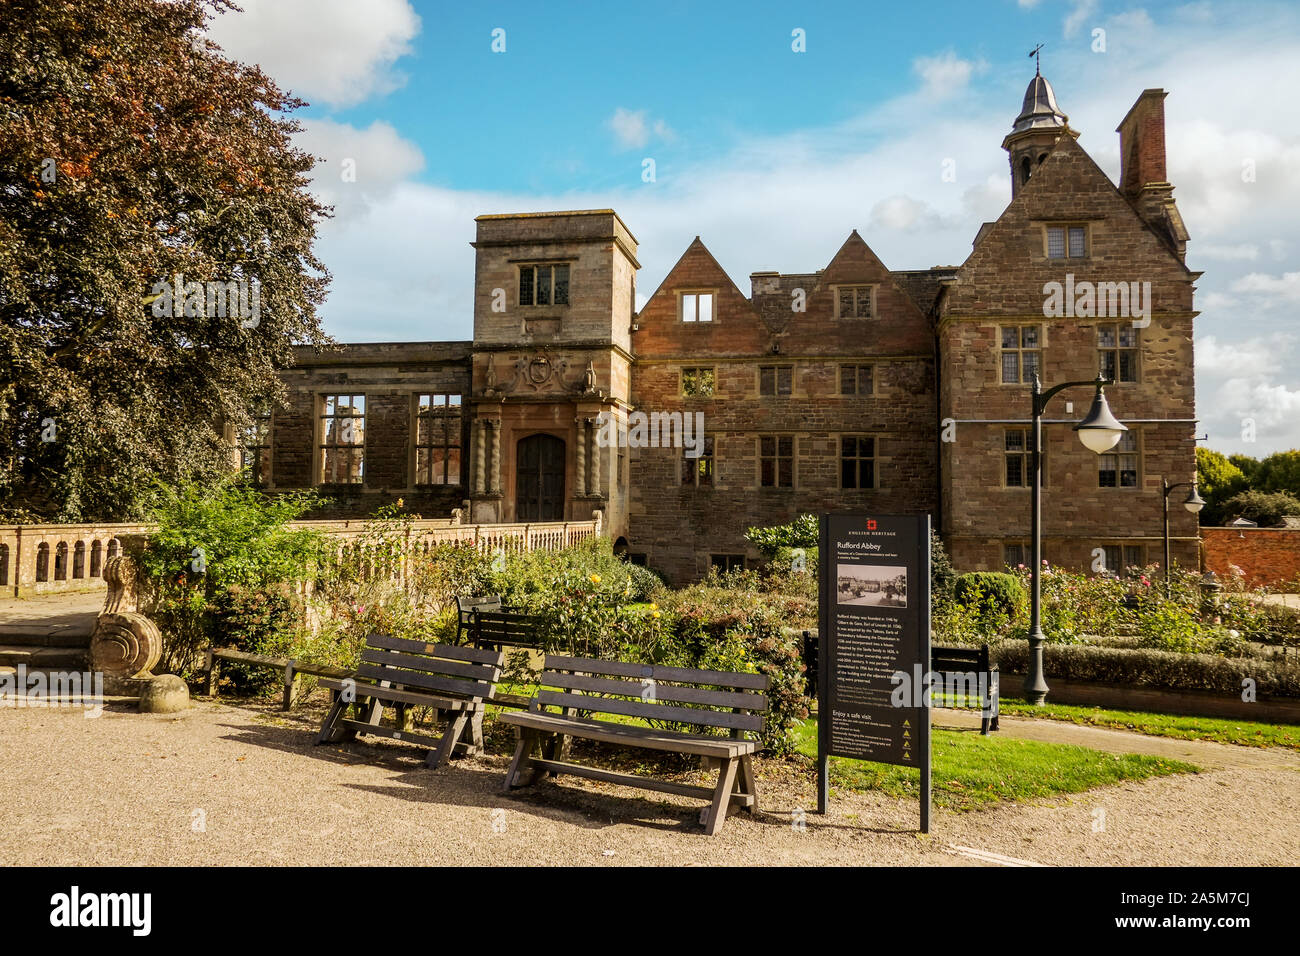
(41, 559)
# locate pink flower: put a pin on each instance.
(1146, 582)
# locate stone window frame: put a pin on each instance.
(322, 433)
(1125, 549)
(1026, 553)
(874, 458)
(1066, 237)
(1117, 455)
(551, 264)
(701, 472)
(1117, 350)
(857, 288)
(777, 457)
(1020, 350)
(262, 422)
(776, 380)
(695, 293)
(697, 369)
(1025, 453)
(445, 446)
(857, 379)
(730, 560)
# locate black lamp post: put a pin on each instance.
(1193, 503)
(1099, 431)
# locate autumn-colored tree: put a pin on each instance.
(132, 151)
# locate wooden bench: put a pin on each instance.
(968, 661)
(405, 674)
(288, 666)
(465, 608)
(585, 688)
(502, 629)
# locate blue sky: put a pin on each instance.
(773, 157)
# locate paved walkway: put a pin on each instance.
(76, 609)
(222, 784)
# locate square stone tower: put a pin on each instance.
(554, 298)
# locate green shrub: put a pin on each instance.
(802, 532)
(993, 593)
(1170, 670)
(214, 549)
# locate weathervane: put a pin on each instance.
(1034, 54)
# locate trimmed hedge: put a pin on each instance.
(1171, 670)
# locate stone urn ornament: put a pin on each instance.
(125, 644)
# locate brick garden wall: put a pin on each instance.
(1266, 556)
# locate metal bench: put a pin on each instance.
(963, 662)
(585, 688)
(465, 608)
(403, 674)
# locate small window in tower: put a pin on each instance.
(1024, 170)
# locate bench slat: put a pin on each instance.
(367, 689)
(626, 779)
(632, 688)
(650, 738)
(436, 650)
(449, 685)
(653, 711)
(685, 675)
(430, 665)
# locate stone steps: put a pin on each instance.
(38, 657)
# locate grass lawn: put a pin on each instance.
(969, 771)
(1221, 730)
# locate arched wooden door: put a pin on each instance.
(539, 479)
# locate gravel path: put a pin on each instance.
(223, 785)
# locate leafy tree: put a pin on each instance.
(1248, 466)
(1264, 508)
(1218, 479)
(1279, 472)
(132, 150)
(800, 533)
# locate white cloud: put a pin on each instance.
(1285, 287)
(1229, 251)
(632, 129)
(629, 128)
(1257, 355)
(1083, 9)
(945, 75)
(337, 51)
(359, 166)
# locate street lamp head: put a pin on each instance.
(1100, 431)
(1194, 502)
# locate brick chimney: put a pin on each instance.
(1143, 180)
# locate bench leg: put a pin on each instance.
(476, 746)
(716, 814)
(527, 738)
(289, 675)
(329, 731)
(455, 726)
(211, 689)
(745, 783)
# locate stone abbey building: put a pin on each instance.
(854, 387)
